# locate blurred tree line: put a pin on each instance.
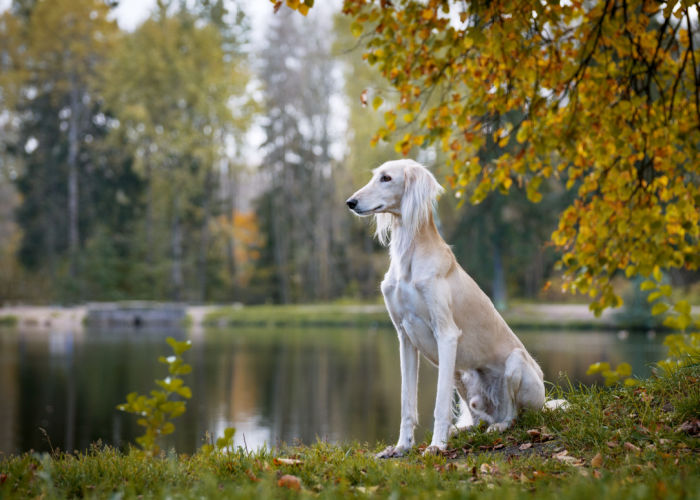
(126, 170)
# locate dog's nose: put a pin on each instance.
(351, 203)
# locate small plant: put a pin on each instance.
(612, 377)
(157, 411)
(683, 347)
(224, 443)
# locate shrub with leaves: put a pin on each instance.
(224, 443)
(157, 410)
(612, 377)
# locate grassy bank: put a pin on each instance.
(321, 315)
(8, 320)
(624, 443)
(519, 316)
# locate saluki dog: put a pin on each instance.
(439, 311)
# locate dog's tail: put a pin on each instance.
(556, 404)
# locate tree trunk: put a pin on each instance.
(280, 246)
(231, 218)
(73, 214)
(499, 283)
(204, 238)
(149, 212)
(176, 248)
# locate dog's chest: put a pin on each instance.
(408, 308)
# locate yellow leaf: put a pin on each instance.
(682, 306)
(659, 308)
(356, 29)
(376, 102)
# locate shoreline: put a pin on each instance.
(520, 315)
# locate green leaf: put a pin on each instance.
(179, 347)
(376, 102)
(654, 296)
(229, 432)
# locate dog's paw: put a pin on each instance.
(498, 427)
(432, 450)
(392, 452)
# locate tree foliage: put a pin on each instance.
(603, 95)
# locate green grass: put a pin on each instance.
(359, 315)
(620, 443)
(8, 320)
(320, 315)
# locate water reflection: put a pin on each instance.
(273, 385)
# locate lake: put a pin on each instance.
(273, 385)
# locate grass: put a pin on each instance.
(317, 315)
(521, 316)
(8, 320)
(639, 442)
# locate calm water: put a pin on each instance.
(273, 385)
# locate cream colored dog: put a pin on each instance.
(439, 311)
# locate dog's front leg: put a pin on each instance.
(409, 398)
(447, 352)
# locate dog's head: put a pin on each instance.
(402, 189)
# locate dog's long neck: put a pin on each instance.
(403, 242)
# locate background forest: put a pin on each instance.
(184, 161)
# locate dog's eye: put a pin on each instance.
(384, 178)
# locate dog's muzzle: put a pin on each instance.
(351, 203)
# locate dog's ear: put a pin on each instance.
(421, 191)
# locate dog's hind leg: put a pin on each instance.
(465, 419)
(522, 387)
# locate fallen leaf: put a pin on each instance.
(367, 489)
(691, 427)
(563, 456)
(488, 468)
(525, 446)
(630, 447)
(499, 446)
(597, 461)
(612, 444)
(596, 474)
(287, 461)
(534, 433)
(251, 475)
(289, 481)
